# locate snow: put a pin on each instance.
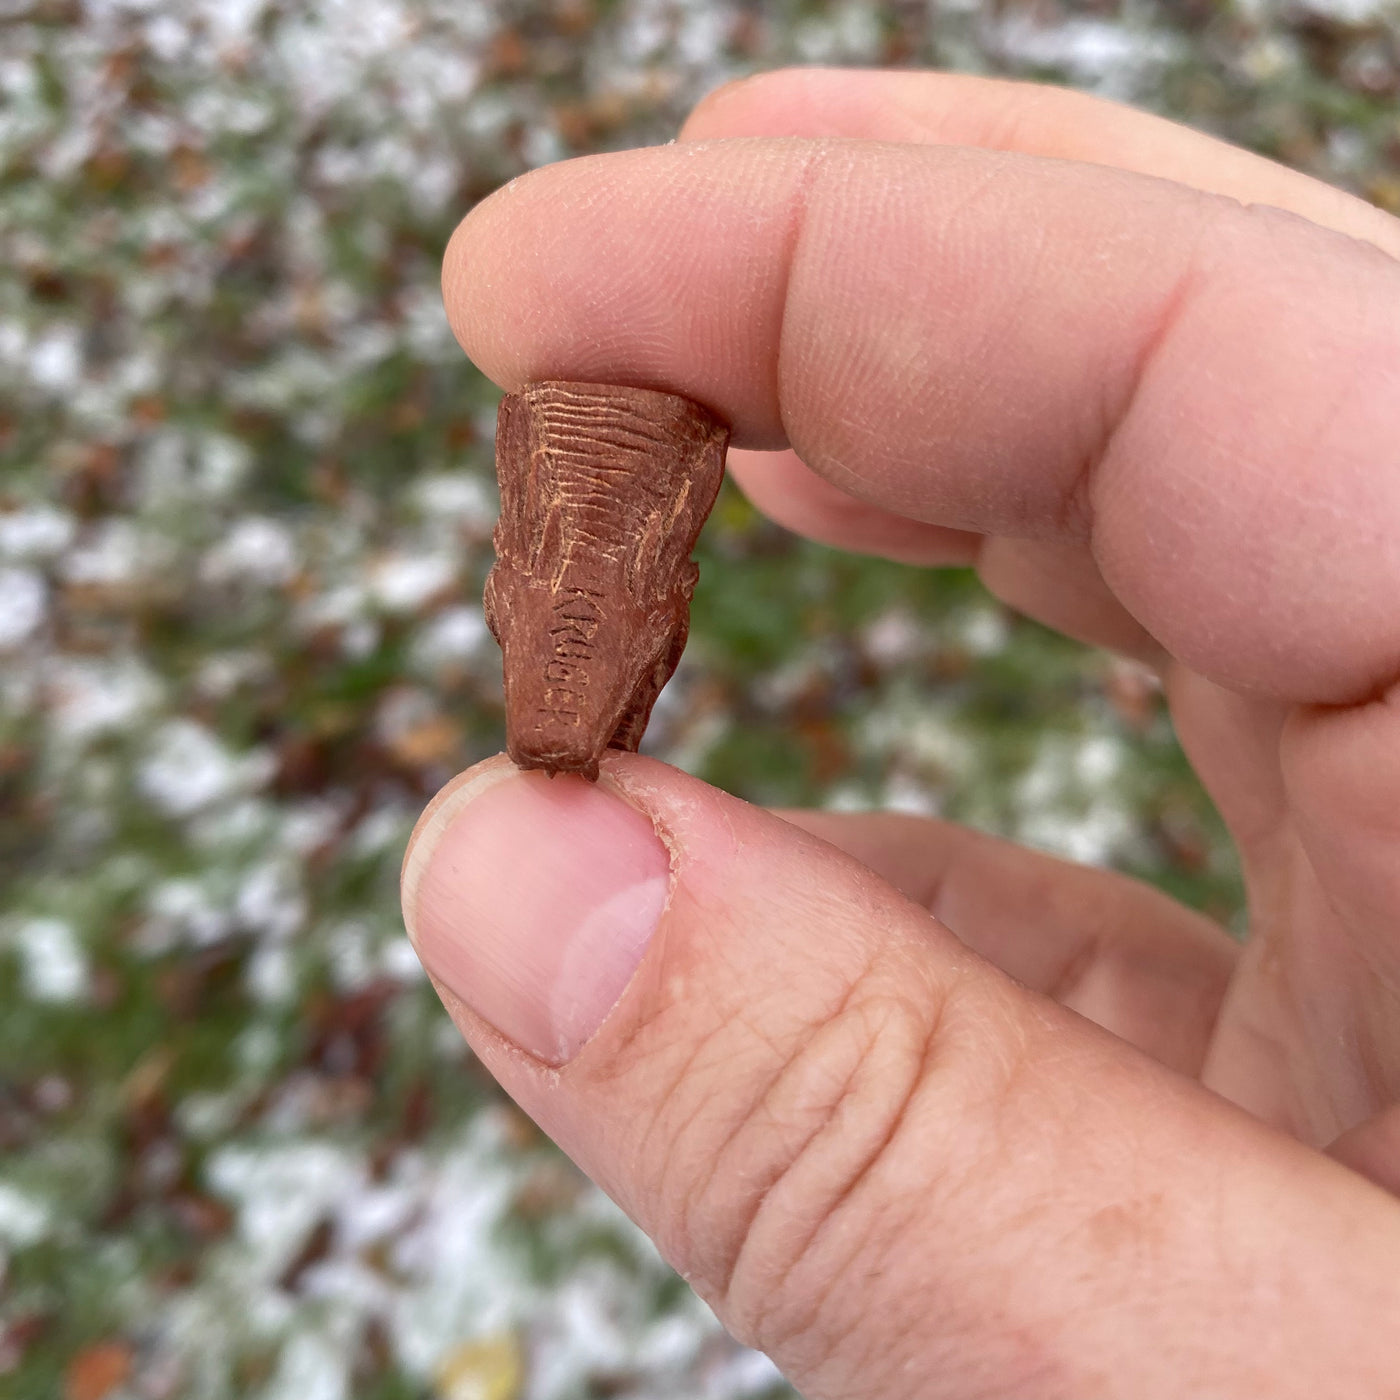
(187, 768)
(404, 583)
(53, 965)
(24, 1218)
(39, 532)
(256, 550)
(23, 604)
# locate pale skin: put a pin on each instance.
(1083, 1144)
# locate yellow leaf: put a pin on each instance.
(489, 1368)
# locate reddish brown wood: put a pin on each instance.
(603, 492)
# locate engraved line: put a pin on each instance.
(678, 507)
(638, 445)
(592, 427)
(584, 398)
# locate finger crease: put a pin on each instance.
(854, 1180)
(781, 1069)
(1072, 976)
(1075, 517)
(858, 1173)
(792, 243)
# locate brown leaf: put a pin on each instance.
(507, 55)
(574, 16)
(550, 1188)
(1384, 190)
(316, 1247)
(201, 1215)
(191, 168)
(1134, 692)
(18, 1336)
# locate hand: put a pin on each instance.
(1150, 385)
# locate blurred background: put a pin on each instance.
(245, 507)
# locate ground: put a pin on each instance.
(245, 504)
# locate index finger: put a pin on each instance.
(1039, 119)
(1209, 394)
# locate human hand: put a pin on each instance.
(1069, 346)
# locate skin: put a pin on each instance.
(1150, 386)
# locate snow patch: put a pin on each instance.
(53, 965)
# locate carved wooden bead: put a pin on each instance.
(603, 492)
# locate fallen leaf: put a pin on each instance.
(97, 1371)
(432, 741)
(489, 1368)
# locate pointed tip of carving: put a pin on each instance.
(580, 765)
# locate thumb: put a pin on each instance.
(880, 1160)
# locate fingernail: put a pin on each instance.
(533, 899)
